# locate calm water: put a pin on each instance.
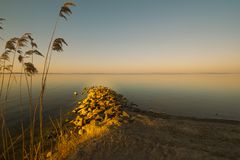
(203, 96)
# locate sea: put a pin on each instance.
(208, 96)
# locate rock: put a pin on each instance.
(78, 121)
(93, 122)
(81, 132)
(103, 109)
(97, 111)
(101, 103)
(101, 106)
(110, 112)
(100, 118)
(83, 112)
(81, 106)
(76, 110)
(125, 114)
(89, 115)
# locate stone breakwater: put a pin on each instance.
(149, 135)
(101, 107)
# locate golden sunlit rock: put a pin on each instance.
(102, 106)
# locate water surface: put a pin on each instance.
(203, 95)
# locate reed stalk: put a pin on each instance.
(10, 76)
(2, 80)
(52, 46)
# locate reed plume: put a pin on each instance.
(14, 46)
(1, 20)
(29, 70)
(57, 46)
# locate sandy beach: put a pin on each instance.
(159, 136)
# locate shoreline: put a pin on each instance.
(171, 116)
(173, 136)
(107, 127)
(160, 136)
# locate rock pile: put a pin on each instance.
(101, 106)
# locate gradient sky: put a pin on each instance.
(133, 35)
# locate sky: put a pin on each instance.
(132, 36)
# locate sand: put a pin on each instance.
(159, 136)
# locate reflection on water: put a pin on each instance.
(204, 96)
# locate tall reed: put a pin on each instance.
(16, 47)
(29, 70)
(54, 45)
(3, 58)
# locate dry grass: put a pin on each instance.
(68, 142)
(95, 116)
